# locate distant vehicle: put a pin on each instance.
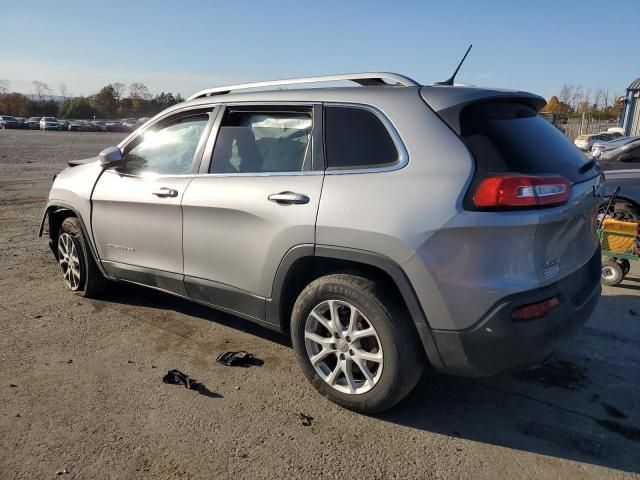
(33, 123)
(49, 123)
(114, 126)
(585, 142)
(616, 131)
(600, 147)
(628, 152)
(77, 126)
(130, 123)
(63, 125)
(99, 125)
(21, 122)
(7, 121)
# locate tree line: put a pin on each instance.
(115, 100)
(575, 100)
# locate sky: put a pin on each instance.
(184, 46)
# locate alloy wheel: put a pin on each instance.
(69, 261)
(343, 347)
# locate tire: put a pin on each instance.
(611, 272)
(399, 358)
(625, 265)
(84, 279)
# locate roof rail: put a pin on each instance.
(369, 79)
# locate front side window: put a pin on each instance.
(168, 149)
(356, 138)
(263, 141)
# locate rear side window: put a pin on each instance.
(511, 137)
(263, 141)
(356, 138)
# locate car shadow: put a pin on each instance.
(569, 408)
(135, 295)
(581, 405)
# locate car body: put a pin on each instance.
(8, 121)
(355, 219)
(21, 122)
(586, 141)
(599, 147)
(627, 152)
(49, 123)
(33, 123)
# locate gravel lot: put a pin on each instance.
(81, 389)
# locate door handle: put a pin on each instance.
(289, 198)
(165, 192)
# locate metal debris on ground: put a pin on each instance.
(176, 377)
(305, 419)
(239, 359)
(62, 472)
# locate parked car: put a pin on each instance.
(627, 203)
(21, 122)
(585, 142)
(130, 123)
(63, 125)
(99, 125)
(628, 152)
(599, 147)
(33, 123)
(353, 219)
(77, 126)
(49, 123)
(8, 121)
(114, 126)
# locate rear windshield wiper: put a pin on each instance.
(587, 166)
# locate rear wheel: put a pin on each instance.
(611, 272)
(79, 270)
(355, 346)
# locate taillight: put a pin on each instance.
(516, 191)
(535, 310)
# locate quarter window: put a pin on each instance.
(168, 150)
(263, 141)
(356, 138)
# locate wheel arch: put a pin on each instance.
(54, 214)
(304, 263)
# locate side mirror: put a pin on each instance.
(110, 157)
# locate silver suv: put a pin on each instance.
(383, 226)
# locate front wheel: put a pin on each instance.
(79, 270)
(612, 273)
(355, 346)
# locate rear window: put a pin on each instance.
(357, 138)
(511, 137)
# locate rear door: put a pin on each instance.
(256, 198)
(136, 217)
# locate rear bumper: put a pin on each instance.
(498, 344)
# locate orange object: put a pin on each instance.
(619, 236)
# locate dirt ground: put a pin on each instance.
(81, 388)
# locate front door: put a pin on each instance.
(257, 199)
(137, 218)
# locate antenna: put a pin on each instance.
(452, 78)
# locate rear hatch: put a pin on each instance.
(525, 164)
